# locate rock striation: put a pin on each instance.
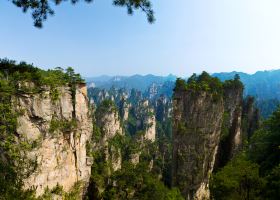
(108, 120)
(58, 134)
(207, 117)
(196, 133)
(251, 116)
(231, 135)
(146, 120)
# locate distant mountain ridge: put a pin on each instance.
(139, 82)
(262, 85)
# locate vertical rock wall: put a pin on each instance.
(231, 139)
(60, 138)
(110, 125)
(251, 116)
(196, 133)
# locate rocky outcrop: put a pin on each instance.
(233, 106)
(110, 125)
(251, 117)
(196, 133)
(150, 131)
(58, 136)
(162, 107)
(124, 109)
(231, 136)
(146, 120)
(107, 119)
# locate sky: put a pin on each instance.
(188, 36)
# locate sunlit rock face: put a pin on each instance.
(150, 132)
(146, 120)
(196, 133)
(110, 125)
(60, 135)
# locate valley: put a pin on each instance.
(139, 137)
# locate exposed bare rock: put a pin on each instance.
(60, 154)
(231, 138)
(146, 120)
(109, 122)
(196, 133)
(150, 132)
(251, 115)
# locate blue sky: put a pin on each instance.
(188, 36)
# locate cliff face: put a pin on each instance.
(196, 133)
(150, 132)
(251, 117)
(233, 106)
(146, 120)
(231, 136)
(58, 135)
(124, 109)
(109, 123)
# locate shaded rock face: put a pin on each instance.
(231, 139)
(162, 108)
(233, 106)
(196, 133)
(60, 154)
(251, 116)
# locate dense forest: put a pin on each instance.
(255, 172)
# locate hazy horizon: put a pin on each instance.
(165, 75)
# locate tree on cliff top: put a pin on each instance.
(41, 9)
(203, 82)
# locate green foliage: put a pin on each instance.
(203, 82)
(131, 124)
(107, 184)
(234, 84)
(272, 189)
(118, 141)
(100, 173)
(254, 174)
(21, 73)
(135, 182)
(42, 9)
(239, 179)
(181, 128)
(73, 194)
(106, 106)
(54, 94)
(63, 126)
(10, 173)
(96, 134)
(225, 125)
(16, 79)
(180, 85)
(265, 144)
